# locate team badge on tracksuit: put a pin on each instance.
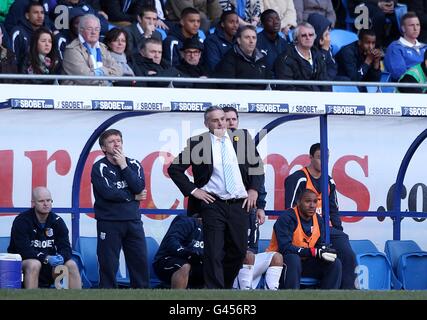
(49, 232)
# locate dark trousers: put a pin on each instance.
(341, 243)
(329, 273)
(112, 236)
(225, 233)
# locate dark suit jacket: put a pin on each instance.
(198, 155)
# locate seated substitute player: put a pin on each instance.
(256, 264)
(298, 235)
(178, 262)
(41, 238)
(309, 178)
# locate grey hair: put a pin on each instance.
(297, 30)
(85, 18)
(211, 109)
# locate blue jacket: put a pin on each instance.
(172, 45)
(285, 227)
(399, 58)
(32, 241)
(184, 239)
(115, 189)
(215, 47)
(271, 49)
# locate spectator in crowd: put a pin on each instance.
(269, 42)
(118, 186)
(407, 51)
(5, 37)
(17, 13)
(255, 264)
(178, 262)
(322, 43)
(209, 11)
(309, 178)
(244, 61)
(217, 44)
(7, 58)
(67, 35)
(420, 9)
(191, 64)
(116, 41)
(223, 193)
(415, 74)
(299, 235)
(23, 32)
(249, 11)
(382, 19)
(323, 7)
(123, 12)
(43, 57)
(84, 8)
(148, 62)
(302, 62)
(87, 56)
(143, 29)
(41, 238)
(159, 5)
(188, 27)
(361, 60)
(286, 11)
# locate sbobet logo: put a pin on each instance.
(73, 104)
(112, 105)
(32, 103)
(414, 111)
(345, 109)
(189, 106)
(269, 107)
(152, 106)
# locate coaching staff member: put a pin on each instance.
(227, 173)
(118, 187)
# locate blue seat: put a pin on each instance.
(152, 248)
(162, 32)
(263, 244)
(345, 89)
(409, 263)
(87, 248)
(4, 244)
(373, 268)
(400, 10)
(341, 38)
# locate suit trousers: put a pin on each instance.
(225, 233)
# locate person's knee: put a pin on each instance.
(31, 266)
(72, 266)
(184, 270)
(277, 260)
(249, 258)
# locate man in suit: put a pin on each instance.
(227, 173)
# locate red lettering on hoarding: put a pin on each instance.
(350, 187)
(148, 164)
(85, 183)
(6, 178)
(40, 162)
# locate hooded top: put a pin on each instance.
(320, 24)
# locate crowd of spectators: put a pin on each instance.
(246, 39)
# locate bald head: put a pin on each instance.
(41, 200)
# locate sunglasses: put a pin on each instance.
(307, 35)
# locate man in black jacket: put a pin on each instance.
(302, 62)
(227, 173)
(41, 238)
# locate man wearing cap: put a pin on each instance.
(191, 65)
